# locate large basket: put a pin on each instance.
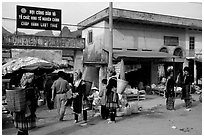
(16, 99)
(121, 85)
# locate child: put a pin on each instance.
(95, 97)
(112, 99)
(102, 94)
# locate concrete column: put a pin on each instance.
(154, 73)
(78, 60)
(195, 72)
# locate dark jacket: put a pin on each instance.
(78, 102)
(170, 88)
(186, 85)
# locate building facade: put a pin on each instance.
(148, 43)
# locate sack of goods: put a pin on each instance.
(135, 107)
(16, 99)
(128, 110)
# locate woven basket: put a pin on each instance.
(16, 99)
(121, 85)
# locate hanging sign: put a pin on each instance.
(38, 18)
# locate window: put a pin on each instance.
(178, 52)
(164, 50)
(192, 43)
(171, 41)
(90, 37)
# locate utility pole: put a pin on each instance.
(110, 64)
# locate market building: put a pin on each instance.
(66, 52)
(60, 50)
(148, 43)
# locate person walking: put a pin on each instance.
(112, 99)
(48, 91)
(186, 85)
(102, 94)
(79, 98)
(170, 94)
(60, 88)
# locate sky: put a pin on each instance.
(75, 12)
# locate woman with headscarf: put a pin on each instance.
(170, 94)
(26, 119)
(112, 99)
(186, 85)
(32, 95)
(79, 97)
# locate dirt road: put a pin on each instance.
(155, 121)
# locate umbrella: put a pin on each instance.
(28, 64)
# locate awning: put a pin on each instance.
(194, 59)
(141, 54)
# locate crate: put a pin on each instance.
(16, 99)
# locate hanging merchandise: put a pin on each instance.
(121, 83)
(161, 71)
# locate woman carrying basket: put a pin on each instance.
(112, 100)
(25, 118)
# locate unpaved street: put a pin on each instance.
(154, 121)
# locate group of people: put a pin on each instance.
(183, 80)
(65, 93)
(73, 94)
(76, 94)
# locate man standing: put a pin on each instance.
(59, 88)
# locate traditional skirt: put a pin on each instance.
(170, 103)
(22, 122)
(31, 121)
(111, 105)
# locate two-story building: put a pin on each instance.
(148, 43)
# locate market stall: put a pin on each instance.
(129, 95)
(15, 70)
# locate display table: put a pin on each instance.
(159, 91)
(136, 97)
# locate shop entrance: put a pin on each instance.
(141, 74)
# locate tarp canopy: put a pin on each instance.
(141, 54)
(28, 64)
(195, 59)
